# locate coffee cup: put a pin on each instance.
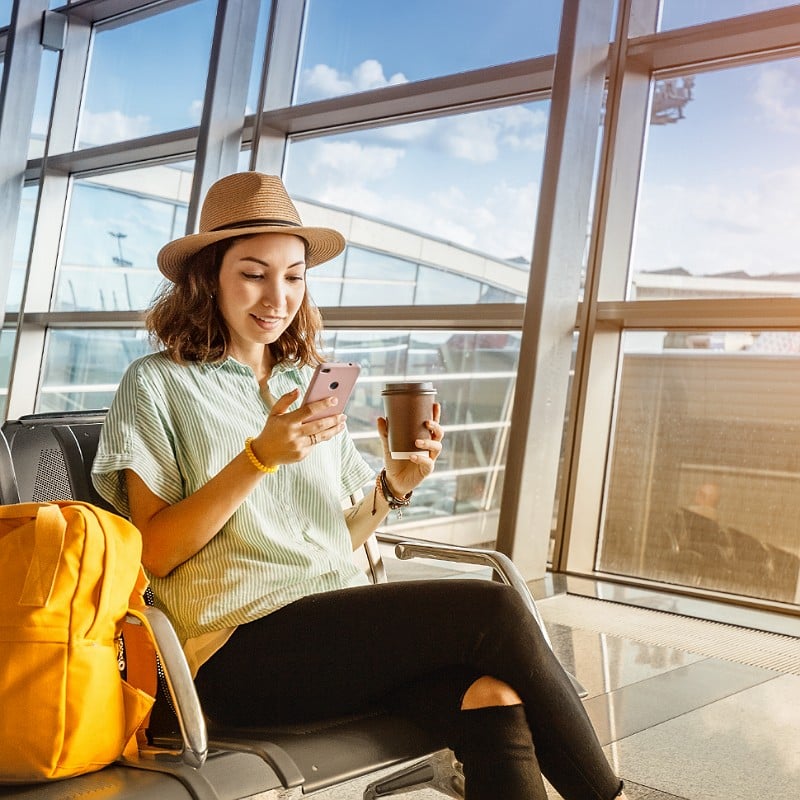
(408, 406)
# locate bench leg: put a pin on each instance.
(440, 771)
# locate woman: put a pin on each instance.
(239, 501)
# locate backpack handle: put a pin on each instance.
(50, 529)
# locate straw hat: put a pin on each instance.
(242, 204)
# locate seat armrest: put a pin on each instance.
(179, 681)
(503, 567)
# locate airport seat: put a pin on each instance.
(52, 454)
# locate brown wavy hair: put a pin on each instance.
(185, 320)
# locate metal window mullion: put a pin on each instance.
(719, 41)
(487, 316)
(50, 221)
(225, 101)
(596, 360)
(702, 314)
(490, 87)
(540, 401)
(22, 62)
(70, 83)
(281, 62)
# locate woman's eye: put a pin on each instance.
(252, 276)
(295, 278)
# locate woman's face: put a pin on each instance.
(261, 287)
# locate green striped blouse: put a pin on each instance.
(177, 426)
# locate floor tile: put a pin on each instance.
(603, 663)
(636, 707)
(743, 747)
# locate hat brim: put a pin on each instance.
(322, 244)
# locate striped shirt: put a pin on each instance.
(178, 425)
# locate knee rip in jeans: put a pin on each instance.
(489, 691)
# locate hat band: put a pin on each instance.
(256, 223)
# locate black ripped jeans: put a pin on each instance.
(414, 647)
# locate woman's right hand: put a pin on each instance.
(286, 436)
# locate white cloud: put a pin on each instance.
(354, 162)
(778, 95)
(748, 224)
(112, 126)
(322, 81)
(481, 137)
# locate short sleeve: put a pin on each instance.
(355, 472)
(137, 435)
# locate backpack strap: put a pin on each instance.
(49, 531)
(140, 658)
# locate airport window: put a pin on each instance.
(680, 13)
(455, 192)
(169, 51)
(704, 477)
(356, 45)
(724, 171)
(116, 225)
(83, 367)
(22, 244)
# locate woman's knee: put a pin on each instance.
(489, 691)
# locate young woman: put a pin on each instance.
(239, 500)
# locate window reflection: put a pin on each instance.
(83, 367)
(148, 76)
(116, 225)
(474, 374)
(22, 246)
(7, 338)
(723, 168)
(705, 474)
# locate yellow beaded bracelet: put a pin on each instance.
(248, 451)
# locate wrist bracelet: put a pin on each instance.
(395, 503)
(254, 460)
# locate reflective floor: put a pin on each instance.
(677, 724)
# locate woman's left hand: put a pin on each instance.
(404, 475)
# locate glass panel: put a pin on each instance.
(83, 368)
(116, 224)
(258, 59)
(7, 338)
(704, 486)
(148, 76)
(726, 175)
(456, 195)
(474, 374)
(22, 247)
(679, 13)
(355, 45)
(44, 102)
(5, 12)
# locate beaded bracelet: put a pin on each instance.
(395, 503)
(254, 460)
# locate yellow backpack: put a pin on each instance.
(69, 573)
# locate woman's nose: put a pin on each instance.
(272, 294)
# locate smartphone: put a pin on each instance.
(331, 379)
